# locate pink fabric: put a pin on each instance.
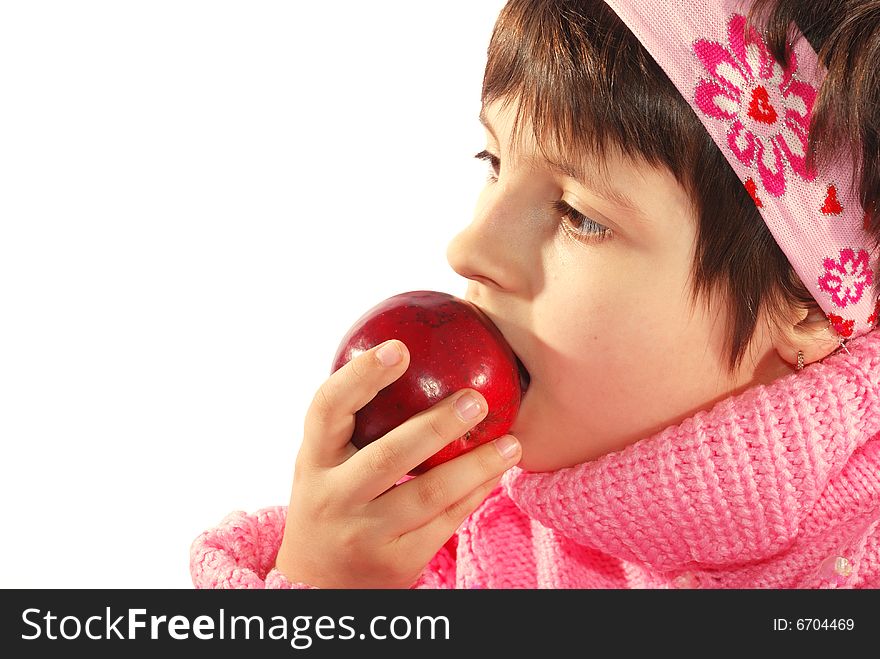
(240, 552)
(777, 487)
(759, 114)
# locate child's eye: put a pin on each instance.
(579, 223)
(575, 221)
(494, 163)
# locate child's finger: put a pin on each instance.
(427, 496)
(436, 532)
(381, 464)
(329, 420)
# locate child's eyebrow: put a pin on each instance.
(600, 186)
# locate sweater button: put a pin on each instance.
(836, 569)
(686, 580)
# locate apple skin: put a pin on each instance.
(453, 345)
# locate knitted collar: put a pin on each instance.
(728, 485)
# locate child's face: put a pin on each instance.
(604, 326)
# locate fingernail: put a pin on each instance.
(467, 407)
(507, 446)
(389, 354)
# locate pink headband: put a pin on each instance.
(758, 114)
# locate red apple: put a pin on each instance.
(453, 345)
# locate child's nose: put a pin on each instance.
(485, 252)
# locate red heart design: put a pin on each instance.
(843, 327)
(752, 189)
(760, 108)
(832, 206)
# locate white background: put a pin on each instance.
(197, 199)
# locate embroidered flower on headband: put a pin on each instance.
(846, 280)
(767, 107)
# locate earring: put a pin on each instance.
(800, 364)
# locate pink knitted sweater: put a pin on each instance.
(777, 487)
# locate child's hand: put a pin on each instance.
(347, 525)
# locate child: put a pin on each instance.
(692, 285)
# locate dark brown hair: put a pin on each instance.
(587, 85)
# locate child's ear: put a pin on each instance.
(809, 331)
